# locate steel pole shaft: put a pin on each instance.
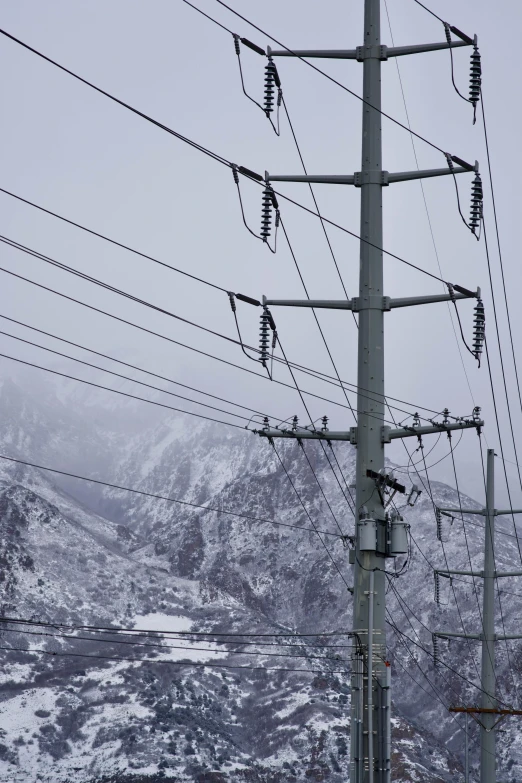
(370, 377)
(488, 701)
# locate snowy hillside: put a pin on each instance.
(76, 553)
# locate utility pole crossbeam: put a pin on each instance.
(491, 714)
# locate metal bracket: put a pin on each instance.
(353, 436)
(363, 53)
(371, 178)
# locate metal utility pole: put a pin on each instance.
(379, 534)
(488, 714)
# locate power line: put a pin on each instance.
(428, 216)
(169, 663)
(127, 378)
(127, 364)
(313, 373)
(323, 73)
(112, 241)
(499, 247)
(429, 10)
(250, 517)
(121, 393)
(310, 518)
(146, 632)
(171, 646)
(211, 154)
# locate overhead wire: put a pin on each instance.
(155, 496)
(97, 639)
(128, 364)
(113, 289)
(497, 233)
(208, 152)
(182, 663)
(323, 73)
(428, 216)
(132, 380)
(331, 557)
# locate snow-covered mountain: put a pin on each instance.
(78, 553)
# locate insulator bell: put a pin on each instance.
(438, 519)
(479, 329)
(266, 213)
(475, 77)
(477, 196)
(264, 329)
(436, 651)
(270, 79)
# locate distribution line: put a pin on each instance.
(113, 241)
(169, 663)
(127, 378)
(121, 393)
(499, 246)
(430, 495)
(170, 339)
(446, 666)
(211, 154)
(176, 634)
(428, 216)
(172, 646)
(112, 289)
(127, 364)
(323, 73)
(250, 517)
(309, 517)
(320, 441)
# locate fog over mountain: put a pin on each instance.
(76, 553)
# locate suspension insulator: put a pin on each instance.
(436, 651)
(236, 44)
(270, 80)
(475, 77)
(438, 520)
(477, 196)
(437, 587)
(264, 329)
(266, 213)
(479, 329)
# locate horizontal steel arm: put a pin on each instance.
(482, 512)
(308, 434)
(388, 434)
(362, 52)
(446, 572)
(480, 574)
(351, 435)
(369, 177)
(447, 635)
(374, 302)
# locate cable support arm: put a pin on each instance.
(379, 177)
(361, 53)
(384, 303)
(388, 434)
(482, 512)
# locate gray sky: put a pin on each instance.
(77, 153)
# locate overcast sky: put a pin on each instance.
(75, 152)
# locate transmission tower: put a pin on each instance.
(488, 715)
(379, 534)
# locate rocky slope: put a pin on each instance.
(78, 553)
